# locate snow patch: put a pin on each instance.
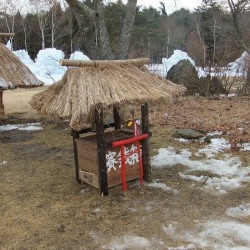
(25, 127)
(129, 242)
(216, 145)
(245, 147)
(241, 211)
(163, 186)
(226, 173)
(223, 235)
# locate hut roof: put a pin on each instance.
(84, 89)
(13, 73)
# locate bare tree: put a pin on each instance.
(201, 38)
(41, 7)
(96, 15)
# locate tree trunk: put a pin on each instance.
(81, 11)
(127, 29)
(106, 52)
(2, 113)
(248, 80)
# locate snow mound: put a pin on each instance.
(47, 67)
(24, 57)
(77, 55)
(175, 58)
(240, 65)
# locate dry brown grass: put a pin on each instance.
(43, 207)
(18, 100)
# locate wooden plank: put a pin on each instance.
(90, 178)
(83, 63)
(132, 173)
(101, 151)
(113, 179)
(87, 130)
(88, 165)
(87, 149)
(145, 143)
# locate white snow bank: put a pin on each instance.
(240, 65)
(46, 67)
(26, 127)
(78, 55)
(178, 55)
(24, 57)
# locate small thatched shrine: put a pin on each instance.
(13, 73)
(105, 159)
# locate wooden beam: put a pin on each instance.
(7, 34)
(87, 130)
(2, 113)
(145, 143)
(84, 63)
(117, 118)
(75, 135)
(101, 151)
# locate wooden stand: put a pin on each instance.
(92, 151)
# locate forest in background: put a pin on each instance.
(207, 34)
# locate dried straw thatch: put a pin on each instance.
(83, 89)
(13, 73)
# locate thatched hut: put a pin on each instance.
(86, 88)
(13, 74)
(91, 88)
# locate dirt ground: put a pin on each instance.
(43, 207)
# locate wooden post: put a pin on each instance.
(2, 113)
(145, 143)
(103, 179)
(75, 135)
(117, 118)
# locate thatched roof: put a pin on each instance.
(81, 90)
(13, 73)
